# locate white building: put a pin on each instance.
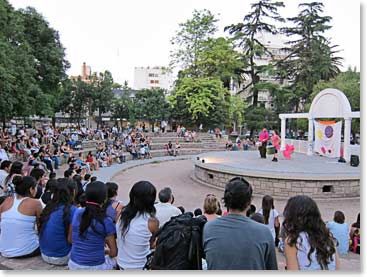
(274, 43)
(153, 77)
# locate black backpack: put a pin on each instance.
(179, 245)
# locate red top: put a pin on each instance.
(264, 136)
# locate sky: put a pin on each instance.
(120, 35)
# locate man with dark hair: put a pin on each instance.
(234, 241)
(165, 210)
(69, 173)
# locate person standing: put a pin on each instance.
(275, 141)
(234, 241)
(263, 138)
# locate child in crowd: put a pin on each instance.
(54, 225)
(91, 230)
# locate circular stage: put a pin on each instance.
(317, 176)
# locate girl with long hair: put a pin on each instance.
(113, 206)
(16, 169)
(309, 245)
(19, 214)
(271, 215)
(54, 225)
(91, 230)
(133, 233)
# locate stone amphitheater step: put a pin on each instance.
(160, 145)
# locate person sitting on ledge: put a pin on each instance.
(54, 225)
(253, 242)
(19, 213)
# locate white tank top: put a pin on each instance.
(134, 248)
(18, 236)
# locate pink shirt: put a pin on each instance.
(264, 136)
(275, 141)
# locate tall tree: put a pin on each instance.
(312, 57)
(122, 107)
(102, 94)
(202, 98)
(150, 105)
(189, 41)
(16, 66)
(246, 35)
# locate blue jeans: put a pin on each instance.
(57, 161)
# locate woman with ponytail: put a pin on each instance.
(271, 215)
(133, 234)
(91, 230)
(54, 225)
(309, 244)
(19, 214)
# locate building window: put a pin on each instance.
(156, 81)
(151, 75)
(152, 81)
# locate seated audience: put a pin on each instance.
(19, 213)
(54, 225)
(91, 230)
(113, 206)
(309, 245)
(165, 209)
(211, 207)
(133, 234)
(340, 231)
(271, 216)
(243, 244)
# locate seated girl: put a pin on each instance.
(55, 224)
(19, 213)
(91, 229)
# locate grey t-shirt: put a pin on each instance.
(235, 242)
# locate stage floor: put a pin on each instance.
(300, 166)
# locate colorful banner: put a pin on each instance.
(328, 136)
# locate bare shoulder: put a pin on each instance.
(7, 204)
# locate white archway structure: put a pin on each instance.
(329, 103)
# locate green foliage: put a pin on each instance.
(189, 40)
(102, 93)
(122, 107)
(237, 109)
(311, 57)
(151, 105)
(245, 35)
(32, 63)
(203, 98)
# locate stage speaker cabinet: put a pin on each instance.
(354, 160)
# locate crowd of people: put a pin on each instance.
(92, 230)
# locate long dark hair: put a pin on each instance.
(15, 168)
(112, 189)
(23, 184)
(357, 223)
(96, 195)
(142, 197)
(267, 206)
(301, 214)
(61, 196)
